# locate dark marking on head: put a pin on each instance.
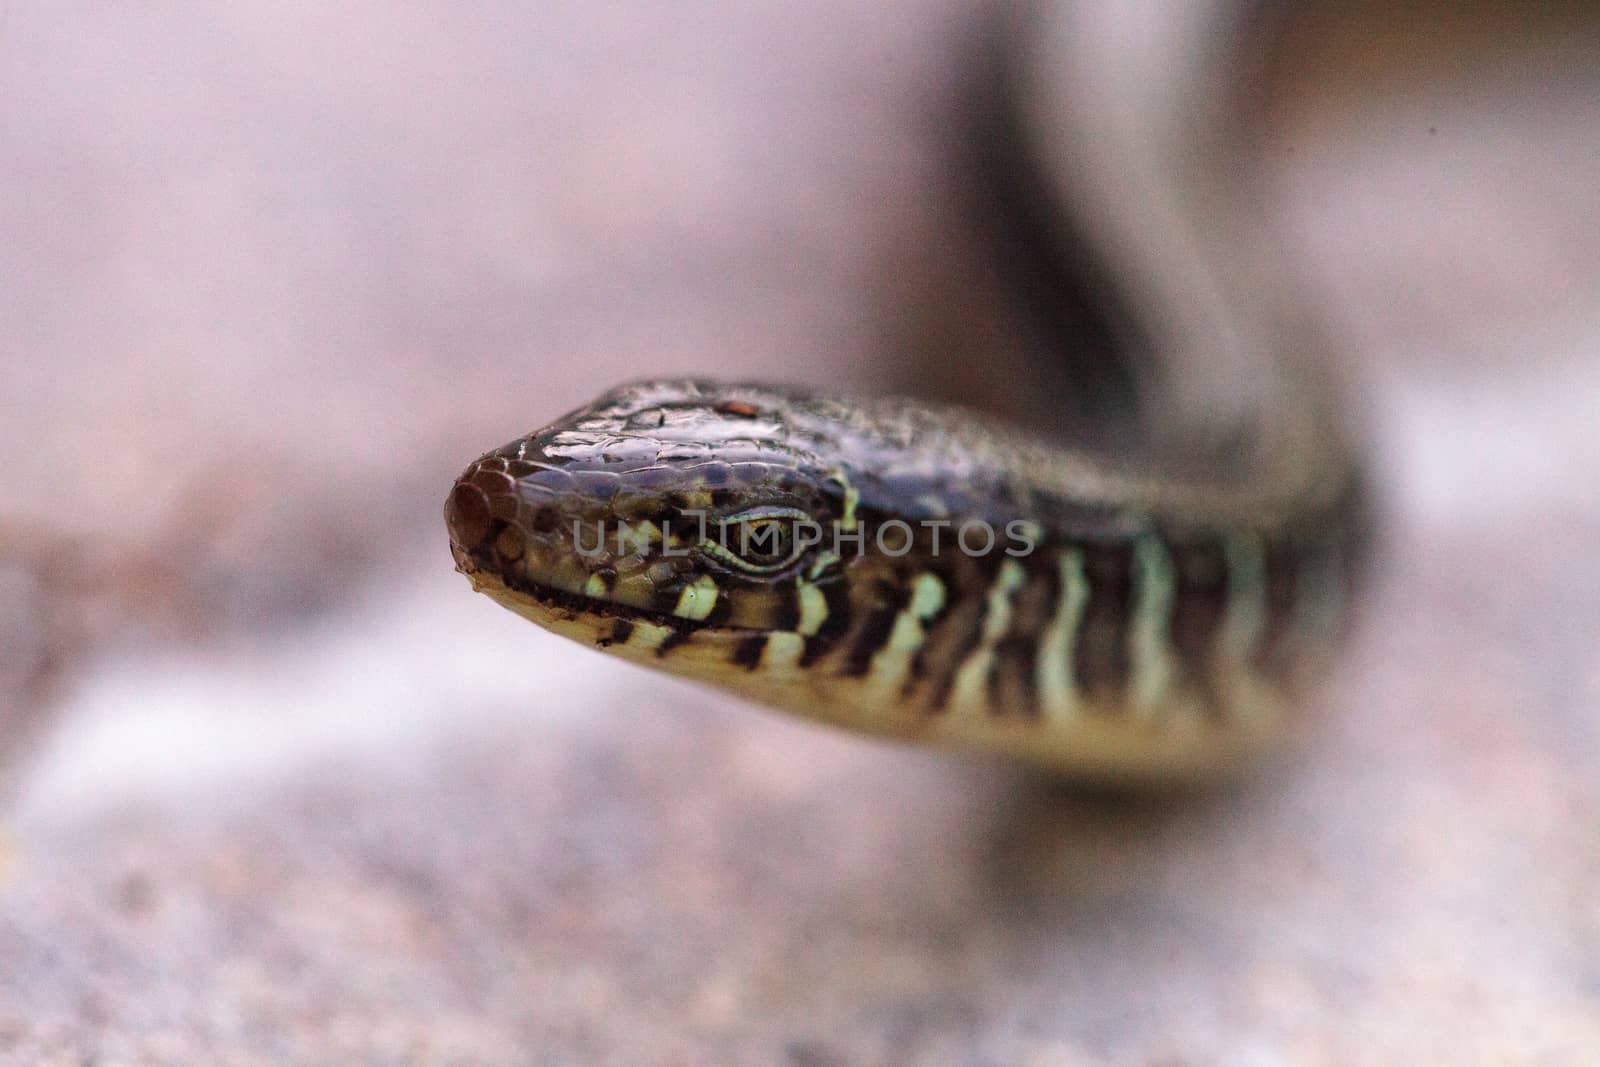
(786, 608)
(720, 612)
(664, 597)
(870, 636)
(747, 653)
(837, 595)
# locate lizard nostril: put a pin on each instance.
(545, 520)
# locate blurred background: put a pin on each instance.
(282, 790)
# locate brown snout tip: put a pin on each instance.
(467, 517)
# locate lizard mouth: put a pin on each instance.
(640, 634)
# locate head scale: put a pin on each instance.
(667, 502)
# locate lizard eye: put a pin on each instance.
(759, 541)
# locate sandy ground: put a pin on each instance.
(271, 274)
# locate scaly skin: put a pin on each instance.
(1120, 626)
